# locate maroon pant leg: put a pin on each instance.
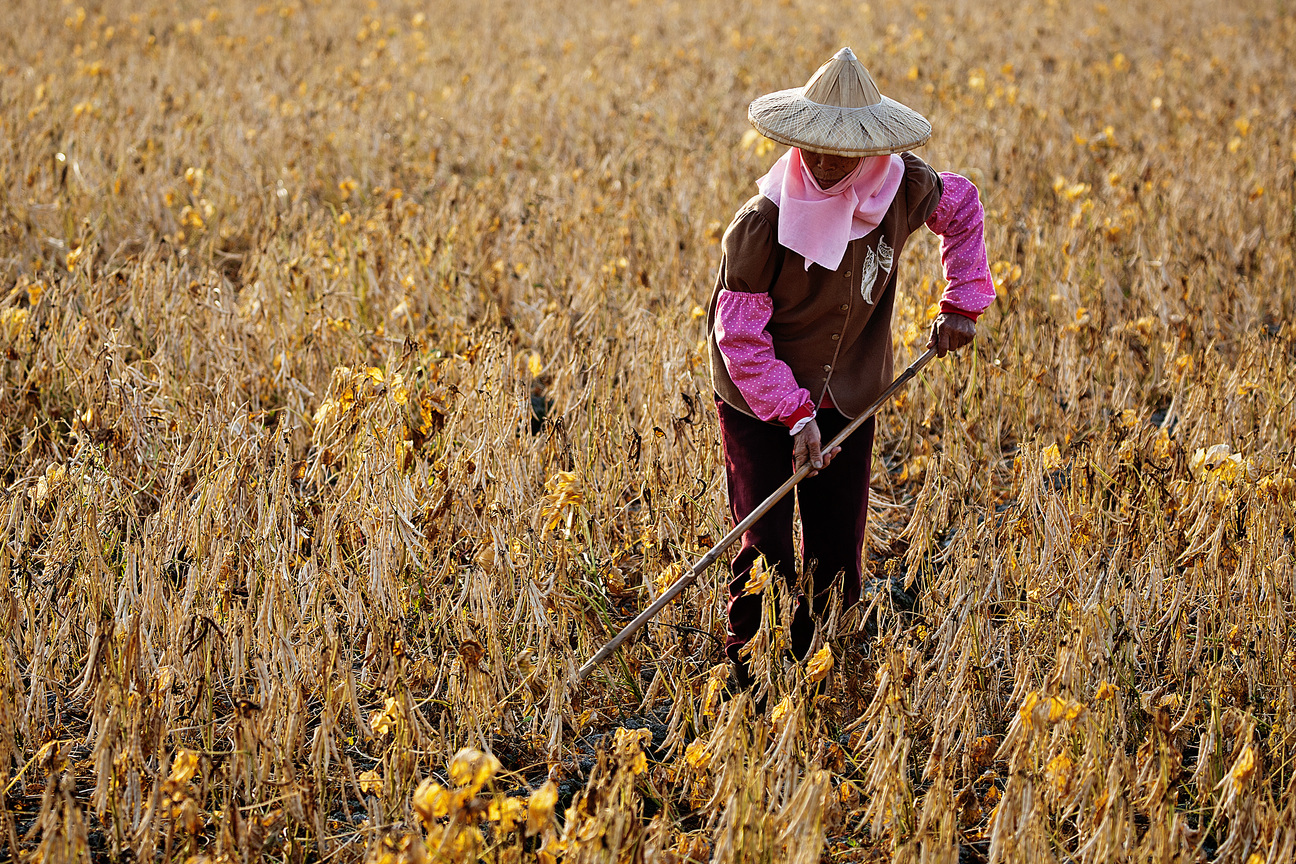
(834, 510)
(834, 513)
(758, 458)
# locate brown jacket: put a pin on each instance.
(821, 325)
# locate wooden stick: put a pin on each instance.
(701, 565)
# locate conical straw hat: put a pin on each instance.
(839, 111)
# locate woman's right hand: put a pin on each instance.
(806, 448)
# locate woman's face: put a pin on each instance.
(828, 170)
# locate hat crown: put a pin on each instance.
(839, 111)
(843, 82)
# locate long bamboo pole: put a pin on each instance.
(699, 567)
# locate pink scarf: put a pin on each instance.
(818, 223)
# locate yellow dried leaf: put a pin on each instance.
(463, 845)
(473, 769)
(1027, 710)
(781, 710)
(1051, 458)
(384, 721)
(564, 495)
(431, 801)
(1057, 707)
(1059, 773)
(13, 322)
(370, 782)
(540, 808)
(1070, 191)
(697, 755)
(165, 676)
(629, 746)
(508, 812)
(820, 665)
(915, 468)
(1106, 690)
(1162, 446)
(715, 680)
(1063, 709)
(758, 578)
(184, 766)
(1243, 768)
(46, 485)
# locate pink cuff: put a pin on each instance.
(948, 307)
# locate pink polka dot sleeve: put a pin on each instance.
(765, 381)
(960, 221)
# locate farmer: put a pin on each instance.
(800, 322)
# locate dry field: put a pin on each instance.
(291, 569)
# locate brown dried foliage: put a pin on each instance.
(284, 287)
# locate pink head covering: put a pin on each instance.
(818, 223)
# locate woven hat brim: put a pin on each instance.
(790, 118)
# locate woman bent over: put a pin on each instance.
(800, 322)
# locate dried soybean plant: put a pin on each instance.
(354, 392)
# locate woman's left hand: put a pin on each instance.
(950, 332)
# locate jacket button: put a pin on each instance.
(836, 336)
(848, 274)
(845, 307)
(827, 368)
